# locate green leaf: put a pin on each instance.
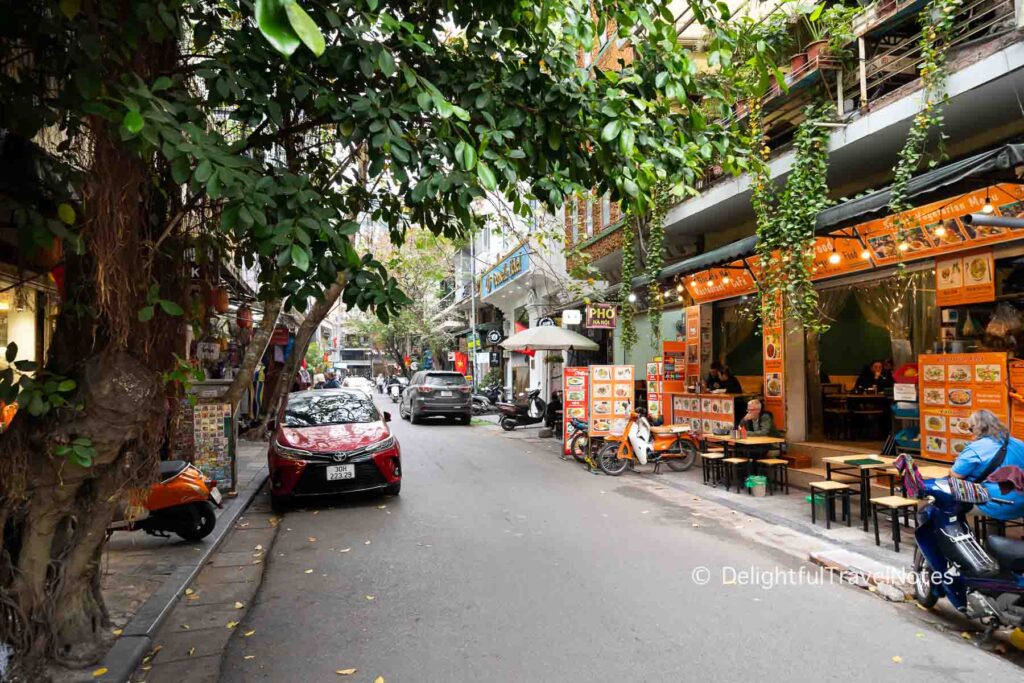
(486, 176)
(66, 386)
(161, 83)
(300, 257)
(25, 366)
(66, 213)
(146, 314)
(133, 122)
(306, 29)
(204, 171)
(70, 8)
(170, 307)
(273, 21)
(386, 62)
(468, 157)
(626, 140)
(555, 137)
(611, 130)
(12, 352)
(630, 187)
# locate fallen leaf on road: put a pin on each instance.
(189, 591)
(155, 650)
(370, 597)
(381, 507)
(232, 624)
(259, 547)
(191, 651)
(239, 605)
(99, 672)
(344, 550)
(118, 631)
(380, 679)
(965, 635)
(919, 634)
(249, 657)
(316, 512)
(346, 672)
(897, 659)
(309, 571)
(645, 512)
(312, 539)
(249, 633)
(695, 525)
(185, 627)
(367, 542)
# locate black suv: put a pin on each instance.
(437, 393)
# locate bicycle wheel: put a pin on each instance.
(578, 447)
(608, 460)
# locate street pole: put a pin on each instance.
(472, 304)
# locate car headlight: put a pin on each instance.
(286, 453)
(381, 445)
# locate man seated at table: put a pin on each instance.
(874, 378)
(757, 421)
(975, 463)
(713, 380)
(728, 381)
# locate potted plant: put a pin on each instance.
(816, 30)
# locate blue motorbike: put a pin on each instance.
(984, 584)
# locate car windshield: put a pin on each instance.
(450, 379)
(328, 409)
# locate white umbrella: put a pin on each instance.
(548, 338)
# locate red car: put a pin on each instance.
(332, 441)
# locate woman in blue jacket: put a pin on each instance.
(989, 436)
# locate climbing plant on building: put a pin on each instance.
(661, 200)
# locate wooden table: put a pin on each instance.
(749, 442)
(841, 464)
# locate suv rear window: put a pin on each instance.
(448, 379)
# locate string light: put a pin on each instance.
(866, 255)
(679, 288)
(725, 280)
(711, 282)
(940, 231)
(631, 298)
(834, 257)
(903, 246)
(988, 208)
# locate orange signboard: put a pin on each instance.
(611, 398)
(1017, 404)
(965, 278)
(692, 345)
(654, 389)
(575, 403)
(720, 283)
(773, 340)
(848, 257)
(952, 387)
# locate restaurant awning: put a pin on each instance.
(993, 166)
(733, 251)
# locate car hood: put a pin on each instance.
(329, 438)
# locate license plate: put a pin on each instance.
(336, 472)
(447, 393)
(215, 495)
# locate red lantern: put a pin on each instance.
(244, 318)
(220, 299)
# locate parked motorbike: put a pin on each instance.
(482, 404)
(674, 445)
(531, 410)
(949, 562)
(494, 393)
(182, 502)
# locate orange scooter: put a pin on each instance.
(675, 445)
(181, 502)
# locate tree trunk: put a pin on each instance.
(304, 334)
(254, 352)
(815, 409)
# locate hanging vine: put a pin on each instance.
(938, 19)
(628, 312)
(660, 202)
(786, 220)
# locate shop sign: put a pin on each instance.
(601, 316)
(953, 386)
(483, 357)
(720, 283)
(494, 359)
(512, 267)
(850, 257)
(575, 401)
(965, 278)
(654, 389)
(1017, 396)
(572, 316)
(451, 356)
(692, 317)
(494, 337)
(611, 398)
(545, 322)
(904, 392)
(774, 354)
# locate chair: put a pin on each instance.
(732, 472)
(892, 505)
(835, 412)
(830, 488)
(712, 468)
(777, 472)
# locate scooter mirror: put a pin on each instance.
(387, 416)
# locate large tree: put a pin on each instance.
(176, 127)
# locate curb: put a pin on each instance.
(131, 647)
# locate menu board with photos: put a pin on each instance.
(611, 398)
(575, 402)
(673, 361)
(967, 278)
(654, 390)
(773, 341)
(214, 438)
(952, 387)
(692, 345)
(704, 412)
(1017, 404)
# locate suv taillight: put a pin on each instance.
(425, 388)
(465, 389)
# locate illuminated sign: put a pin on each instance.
(514, 265)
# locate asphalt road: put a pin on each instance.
(500, 562)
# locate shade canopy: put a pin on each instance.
(549, 338)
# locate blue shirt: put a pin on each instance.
(973, 460)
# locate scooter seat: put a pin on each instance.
(171, 468)
(671, 429)
(1009, 553)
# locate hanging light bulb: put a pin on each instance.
(903, 246)
(725, 280)
(988, 208)
(834, 258)
(866, 255)
(940, 231)
(711, 282)
(679, 288)
(631, 298)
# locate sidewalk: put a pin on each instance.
(143, 576)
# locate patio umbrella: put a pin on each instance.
(549, 338)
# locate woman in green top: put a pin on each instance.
(757, 421)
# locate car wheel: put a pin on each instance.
(413, 417)
(393, 489)
(278, 505)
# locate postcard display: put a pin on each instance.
(215, 443)
(655, 372)
(773, 349)
(575, 403)
(611, 398)
(952, 387)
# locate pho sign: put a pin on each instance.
(601, 316)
